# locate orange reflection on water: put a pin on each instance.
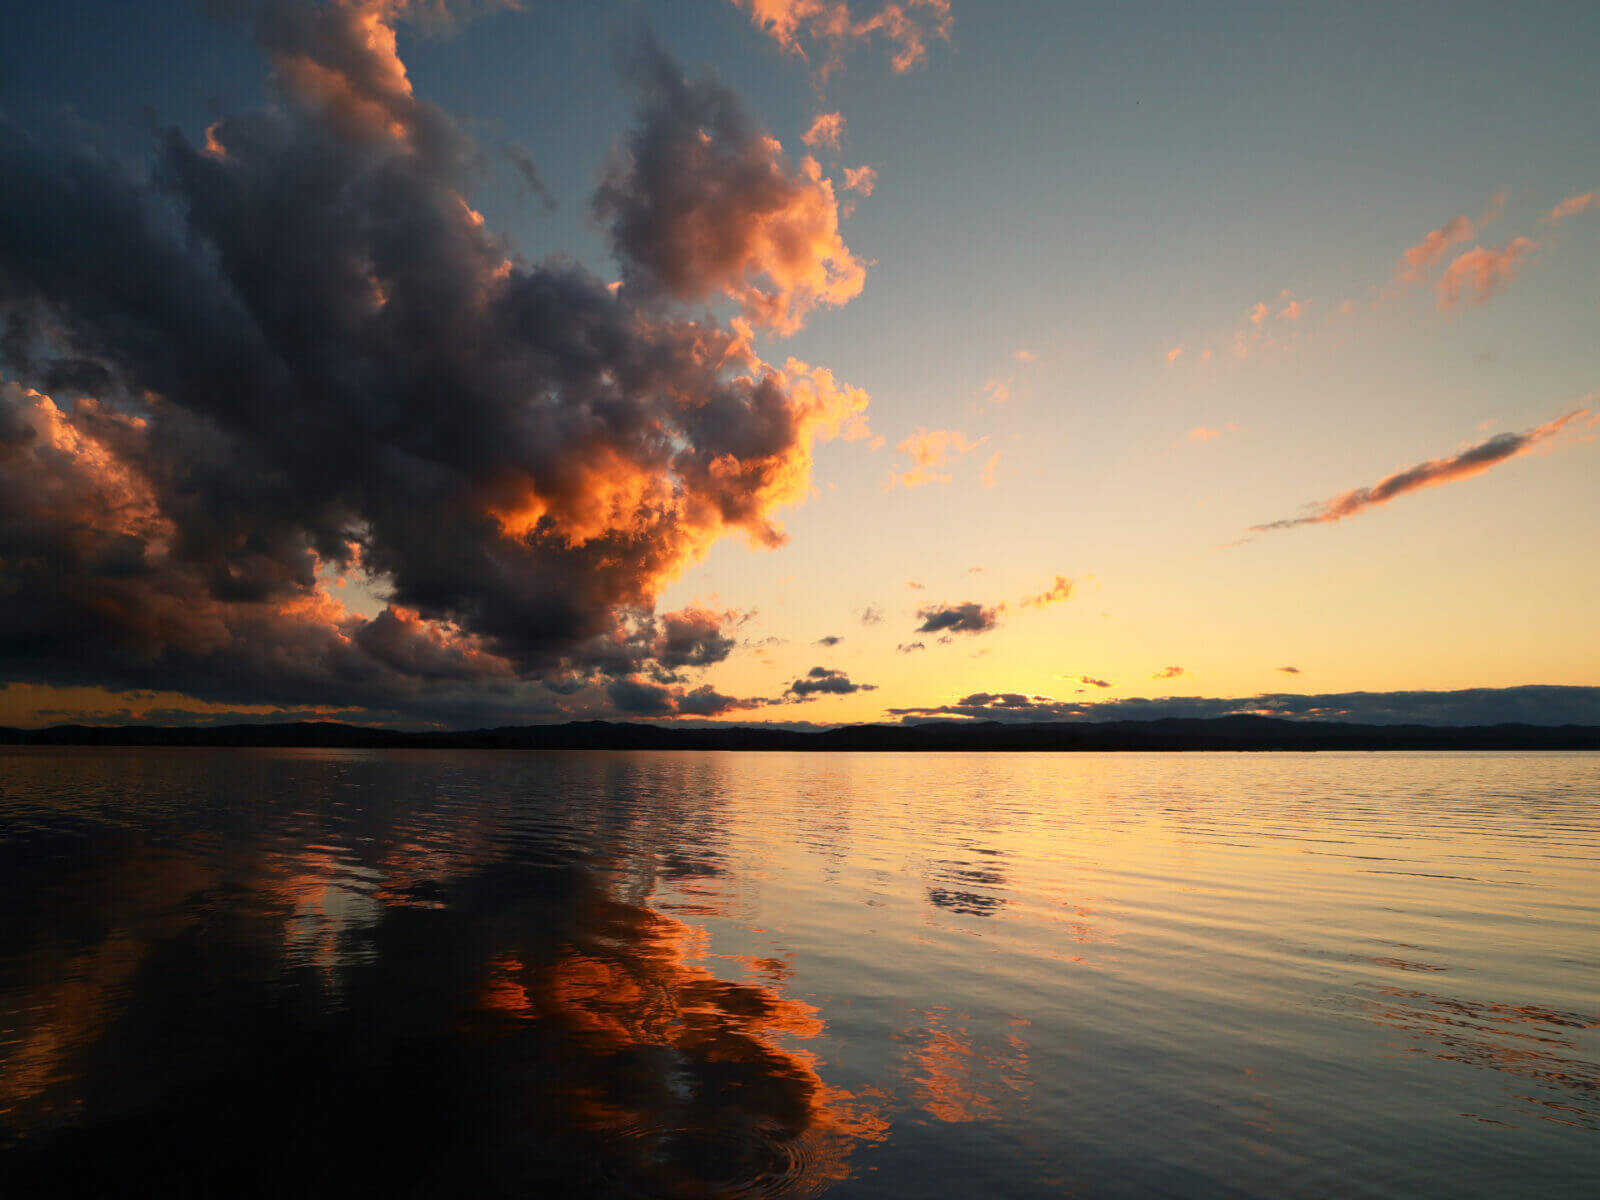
(956, 1081)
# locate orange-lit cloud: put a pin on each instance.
(930, 450)
(1479, 273)
(569, 448)
(804, 26)
(860, 179)
(1174, 353)
(986, 476)
(1201, 434)
(1435, 471)
(1060, 589)
(1416, 260)
(701, 203)
(825, 130)
(1169, 673)
(1570, 207)
(1291, 311)
(1258, 314)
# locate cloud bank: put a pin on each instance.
(1532, 705)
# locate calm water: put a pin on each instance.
(306, 973)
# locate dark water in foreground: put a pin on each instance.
(308, 973)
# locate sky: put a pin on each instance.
(463, 363)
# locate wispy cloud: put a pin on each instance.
(805, 26)
(1290, 670)
(1060, 589)
(1415, 260)
(1168, 673)
(860, 179)
(1570, 207)
(930, 450)
(1479, 273)
(1431, 473)
(986, 477)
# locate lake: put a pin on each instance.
(411, 973)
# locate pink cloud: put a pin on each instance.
(825, 130)
(1173, 354)
(1478, 273)
(860, 179)
(1570, 207)
(906, 26)
(1291, 311)
(1415, 260)
(1258, 314)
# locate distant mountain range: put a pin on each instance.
(1219, 733)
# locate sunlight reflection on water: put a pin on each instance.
(693, 975)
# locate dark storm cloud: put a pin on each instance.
(1532, 705)
(310, 359)
(1435, 471)
(967, 617)
(823, 681)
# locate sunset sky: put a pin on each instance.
(468, 363)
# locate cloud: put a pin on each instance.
(803, 27)
(1025, 356)
(1570, 207)
(871, 615)
(929, 450)
(966, 617)
(1536, 704)
(1290, 670)
(1087, 680)
(1291, 311)
(1258, 314)
(701, 203)
(986, 476)
(823, 681)
(1169, 673)
(1173, 354)
(296, 355)
(1435, 471)
(529, 173)
(830, 640)
(910, 647)
(825, 130)
(860, 179)
(1479, 273)
(1201, 434)
(1060, 589)
(1416, 260)
(638, 697)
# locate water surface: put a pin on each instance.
(353, 973)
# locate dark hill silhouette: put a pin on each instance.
(1175, 733)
